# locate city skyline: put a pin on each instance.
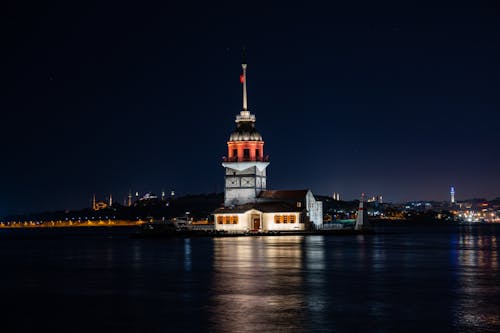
(396, 101)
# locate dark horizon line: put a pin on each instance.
(222, 193)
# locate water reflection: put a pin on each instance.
(316, 298)
(187, 254)
(400, 281)
(137, 256)
(258, 284)
(477, 266)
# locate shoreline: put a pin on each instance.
(219, 234)
(66, 224)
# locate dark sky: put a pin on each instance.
(396, 98)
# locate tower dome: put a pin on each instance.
(245, 131)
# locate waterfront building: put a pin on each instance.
(312, 208)
(247, 203)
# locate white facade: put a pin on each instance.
(243, 182)
(314, 210)
(256, 220)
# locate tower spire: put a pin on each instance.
(245, 115)
(243, 79)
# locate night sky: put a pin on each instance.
(397, 99)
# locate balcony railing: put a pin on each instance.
(246, 159)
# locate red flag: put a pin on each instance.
(242, 78)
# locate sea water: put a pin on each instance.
(403, 278)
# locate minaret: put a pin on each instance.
(93, 202)
(362, 218)
(129, 202)
(246, 163)
(110, 200)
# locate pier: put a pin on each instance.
(69, 224)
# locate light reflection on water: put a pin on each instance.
(410, 278)
(478, 280)
(187, 254)
(257, 281)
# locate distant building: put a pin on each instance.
(98, 205)
(247, 203)
(452, 194)
(376, 198)
(148, 196)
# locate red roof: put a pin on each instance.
(265, 207)
(284, 195)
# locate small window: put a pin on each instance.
(246, 153)
(257, 153)
(235, 152)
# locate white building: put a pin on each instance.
(300, 199)
(268, 216)
(247, 203)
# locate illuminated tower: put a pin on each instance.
(110, 200)
(452, 194)
(245, 163)
(93, 203)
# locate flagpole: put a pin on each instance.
(244, 66)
